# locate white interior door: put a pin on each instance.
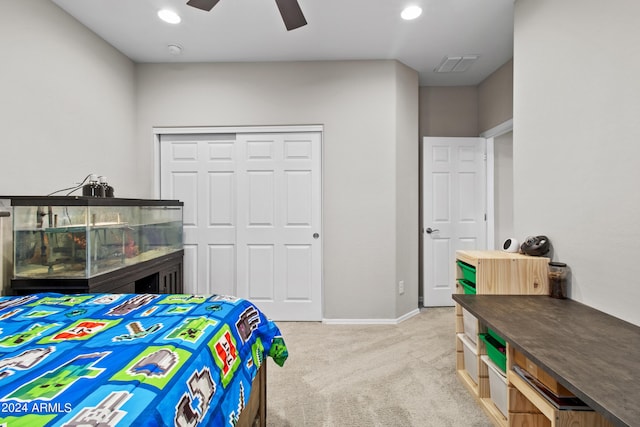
(454, 200)
(252, 216)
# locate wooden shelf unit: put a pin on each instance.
(504, 273)
(527, 407)
(497, 273)
(546, 337)
(480, 390)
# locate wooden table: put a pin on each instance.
(594, 355)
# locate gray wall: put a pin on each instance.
(576, 142)
(495, 98)
(448, 111)
(460, 111)
(67, 103)
(369, 113)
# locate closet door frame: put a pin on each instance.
(290, 309)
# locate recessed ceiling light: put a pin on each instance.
(411, 12)
(169, 16)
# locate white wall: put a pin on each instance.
(71, 105)
(503, 189)
(576, 142)
(407, 188)
(67, 105)
(356, 101)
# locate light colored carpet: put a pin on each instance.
(371, 375)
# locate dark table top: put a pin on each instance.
(591, 353)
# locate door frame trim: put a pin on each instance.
(501, 129)
(490, 135)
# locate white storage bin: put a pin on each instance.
(470, 324)
(470, 357)
(497, 385)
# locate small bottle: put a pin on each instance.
(93, 188)
(108, 190)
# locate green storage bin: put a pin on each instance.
(496, 352)
(496, 337)
(468, 271)
(469, 288)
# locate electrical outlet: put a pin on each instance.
(401, 287)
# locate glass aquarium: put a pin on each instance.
(82, 237)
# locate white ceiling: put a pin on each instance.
(252, 30)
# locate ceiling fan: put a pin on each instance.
(289, 9)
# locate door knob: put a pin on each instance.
(430, 230)
(316, 235)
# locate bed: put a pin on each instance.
(134, 359)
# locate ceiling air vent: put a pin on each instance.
(456, 64)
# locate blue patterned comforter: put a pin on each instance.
(130, 360)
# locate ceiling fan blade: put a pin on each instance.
(203, 4)
(291, 14)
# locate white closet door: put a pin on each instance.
(200, 170)
(279, 219)
(252, 216)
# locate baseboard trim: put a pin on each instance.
(372, 321)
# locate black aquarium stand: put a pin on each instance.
(163, 275)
